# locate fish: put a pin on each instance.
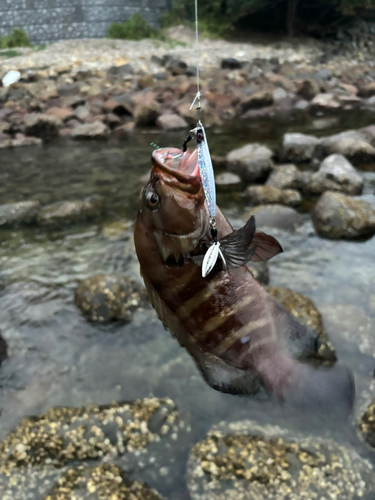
(240, 337)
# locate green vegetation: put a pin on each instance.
(17, 38)
(315, 17)
(135, 28)
(10, 53)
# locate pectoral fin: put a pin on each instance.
(265, 247)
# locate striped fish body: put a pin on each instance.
(239, 336)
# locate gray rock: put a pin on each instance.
(285, 177)
(176, 67)
(252, 162)
(367, 90)
(3, 349)
(258, 100)
(227, 182)
(147, 112)
(82, 112)
(243, 460)
(69, 212)
(23, 212)
(301, 148)
(336, 174)
(171, 122)
(302, 105)
(276, 216)
(369, 134)
(351, 144)
(323, 74)
(260, 271)
(279, 94)
(267, 195)
(337, 216)
(325, 103)
(101, 482)
(103, 298)
(230, 63)
(119, 72)
(20, 141)
(42, 125)
(96, 130)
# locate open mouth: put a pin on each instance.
(182, 166)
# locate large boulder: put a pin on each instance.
(243, 460)
(337, 216)
(96, 130)
(351, 144)
(276, 216)
(258, 100)
(146, 113)
(171, 121)
(335, 174)
(252, 162)
(308, 89)
(42, 125)
(285, 177)
(103, 298)
(301, 148)
(325, 103)
(23, 212)
(266, 195)
(227, 182)
(69, 212)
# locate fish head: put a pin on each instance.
(173, 210)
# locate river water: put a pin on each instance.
(57, 358)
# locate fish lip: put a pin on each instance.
(187, 171)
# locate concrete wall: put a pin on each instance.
(51, 20)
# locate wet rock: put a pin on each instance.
(301, 148)
(307, 314)
(252, 162)
(366, 425)
(335, 174)
(258, 100)
(325, 103)
(260, 271)
(147, 113)
(230, 63)
(20, 141)
(337, 216)
(103, 298)
(276, 216)
(171, 122)
(242, 460)
(267, 195)
(308, 89)
(352, 145)
(120, 72)
(103, 482)
(227, 182)
(69, 212)
(176, 67)
(14, 214)
(42, 125)
(3, 349)
(96, 130)
(285, 177)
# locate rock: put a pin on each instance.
(112, 120)
(252, 162)
(366, 426)
(61, 114)
(307, 314)
(120, 72)
(323, 74)
(308, 89)
(145, 82)
(351, 144)
(104, 298)
(3, 349)
(171, 122)
(368, 133)
(176, 67)
(243, 460)
(82, 113)
(20, 141)
(335, 174)
(96, 130)
(230, 63)
(367, 90)
(260, 271)
(276, 216)
(42, 125)
(226, 182)
(325, 103)
(101, 482)
(279, 94)
(301, 148)
(69, 212)
(14, 214)
(267, 195)
(147, 113)
(285, 177)
(258, 100)
(337, 216)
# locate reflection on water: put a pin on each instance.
(58, 358)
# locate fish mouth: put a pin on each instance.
(179, 166)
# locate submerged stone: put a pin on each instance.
(69, 212)
(14, 214)
(277, 216)
(242, 460)
(104, 298)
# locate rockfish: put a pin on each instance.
(239, 336)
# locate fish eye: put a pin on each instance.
(152, 200)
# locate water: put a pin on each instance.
(58, 358)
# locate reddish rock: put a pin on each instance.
(62, 114)
(367, 90)
(147, 113)
(326, 103)
(260, 99)
(171, 122)
(96, 130)
(124, 130)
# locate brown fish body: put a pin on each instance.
(238, 335)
